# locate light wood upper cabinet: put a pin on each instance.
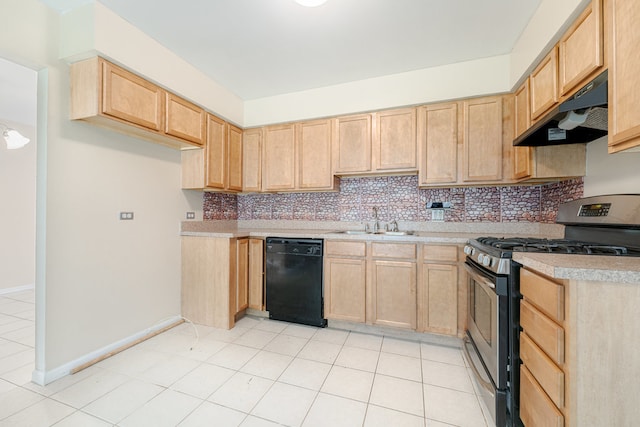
(522, 121)
(522, 109)
(314, 155)
(580, 51)
(252, 160)
(544, 85)
(438, 140)
(624, 78)
(219, 165)
(279, 158)
(185, 120)
(352, 153)
(234, 158)
(131, 98)
(111, 96)
(395, 140)
(216, 153)
(483, 143)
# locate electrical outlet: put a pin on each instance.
(126, 216)
(191, 215)
(437, 215)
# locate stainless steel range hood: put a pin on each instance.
(580, 119)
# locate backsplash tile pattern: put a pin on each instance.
(399, 198)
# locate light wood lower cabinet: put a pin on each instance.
(345, 281)
(438, 290)
(221, 277)
(209, 272)
(242, 274)
(579, 349)
(393, 284)
(256, 274)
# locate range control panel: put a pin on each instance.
(596, 209)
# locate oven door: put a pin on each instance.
(483, 316)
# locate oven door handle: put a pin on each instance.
(479, 278)
(485, 384)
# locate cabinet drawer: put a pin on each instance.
(545, 294)
(351, 249)
(393, 250)
(547, 334)
(536, 409)
(440, 253)
(547, 373)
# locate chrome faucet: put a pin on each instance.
(376, 225)
(393, 226)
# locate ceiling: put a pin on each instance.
(261, 48)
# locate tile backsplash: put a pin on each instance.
(398, 198)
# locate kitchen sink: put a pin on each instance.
(388, 233)
(398, 233)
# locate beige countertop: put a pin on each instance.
(438, 233)
(598, 268)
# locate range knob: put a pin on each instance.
(480, 258)
(468, 250)
(486, 260)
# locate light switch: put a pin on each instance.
(126, 216)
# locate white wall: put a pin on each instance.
(99, 280)
(490, 76)
(18, 213)
(93, 29)
(617, 173)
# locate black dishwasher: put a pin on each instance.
(294, 280)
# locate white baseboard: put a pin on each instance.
(16, 289)
(45, 377)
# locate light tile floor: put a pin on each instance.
(261, 373)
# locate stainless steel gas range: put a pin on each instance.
(601, 225)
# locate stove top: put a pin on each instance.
(561, 246)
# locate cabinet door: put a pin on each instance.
(438, 139)
(345, 289)
(544, 85)
(522, 121)
(395, 140)
(580, 49)
(394, 285)
(216, 152)
(279, 158)
(242, 275)
(234, 158)
(482, 143)
(314, 153)
(353, 144)
(131, 98)
(624, 79)
(185, 120)
(440, 298)
(251, 160)
(256, 274)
